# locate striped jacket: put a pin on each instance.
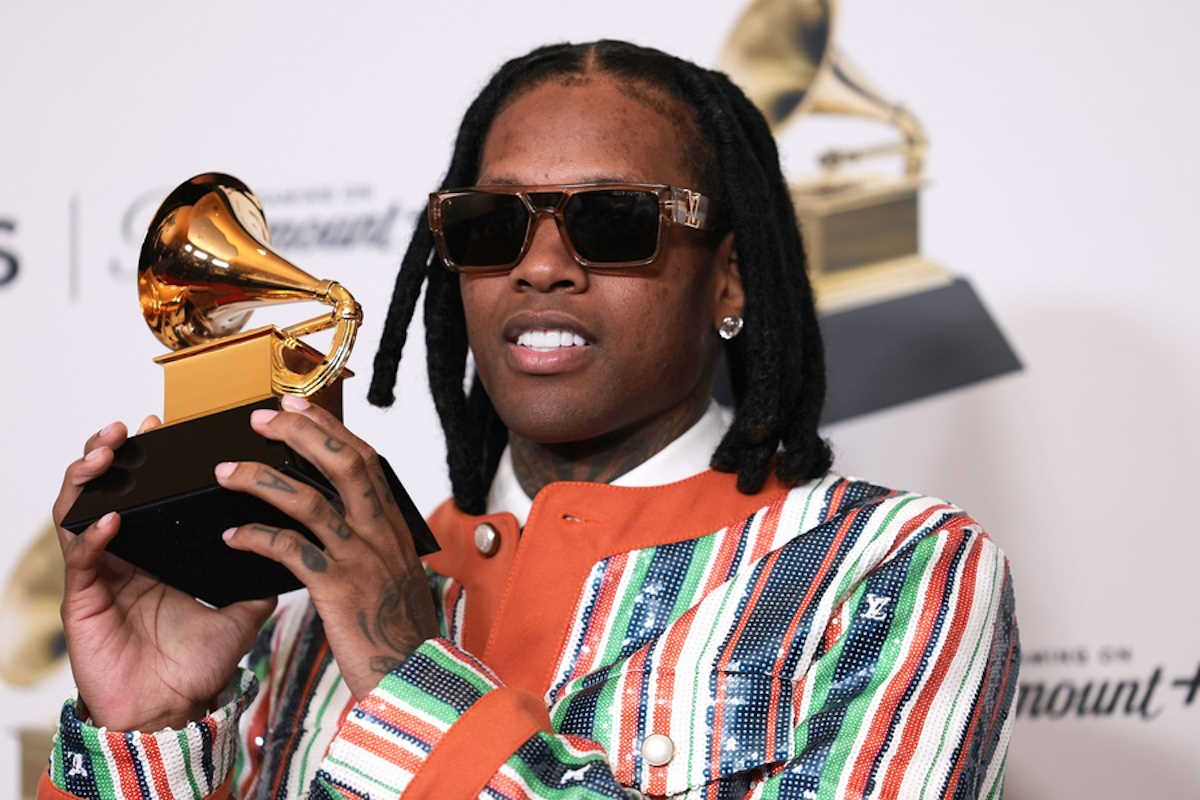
(833, 640)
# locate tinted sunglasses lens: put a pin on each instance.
(483, 230)
(613, 225)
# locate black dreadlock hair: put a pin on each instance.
(777, 364)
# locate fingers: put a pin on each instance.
(299, 501)
(249, 614)
(111, 435)
(327, 421)
(97, 457)
(357, 477)
(78, 473)
(303, 558)
(83, 555)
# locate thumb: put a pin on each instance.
(249, 615)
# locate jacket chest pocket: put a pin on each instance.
(668, 732)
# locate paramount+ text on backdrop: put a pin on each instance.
(1032, 358)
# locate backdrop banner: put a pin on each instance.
(1044, 379)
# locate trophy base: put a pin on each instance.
(903, 349)
(173, 511)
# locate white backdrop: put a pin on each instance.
(1063, 184)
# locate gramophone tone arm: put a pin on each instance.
(912, 147)
(344, 305)
(345, 319)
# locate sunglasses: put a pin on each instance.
(603, 225)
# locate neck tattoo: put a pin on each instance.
(605, 458)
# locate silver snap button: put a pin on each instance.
(658, 749)
(487, 539)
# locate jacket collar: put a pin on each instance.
(689, 454)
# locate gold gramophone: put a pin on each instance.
(204, 266)
(860, 231)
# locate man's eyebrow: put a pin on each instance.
(508, 180)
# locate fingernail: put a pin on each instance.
(108, 519)
(225, 469)
(94, 455)
(261, 416)
(107, 429)
(228, 534)
(293, 403)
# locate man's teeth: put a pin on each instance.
(550, 339)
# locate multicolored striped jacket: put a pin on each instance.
(833, 640)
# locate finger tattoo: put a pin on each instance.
(268, 529)
(270, 480)
(313, 558)
(388, 497)
(376, 506)
(338, 526)
(334, 445)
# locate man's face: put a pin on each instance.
(630, 344)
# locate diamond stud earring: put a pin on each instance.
(731, 326)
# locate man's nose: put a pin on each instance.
(548, 265)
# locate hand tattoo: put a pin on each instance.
(312, 557)
(394, 623)
(362, 625)
(394, 615)
(270, 480)
(395, 627)
(384, 664)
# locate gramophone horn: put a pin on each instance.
(781, 53)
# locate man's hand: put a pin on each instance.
(144, 655)
(367, 584)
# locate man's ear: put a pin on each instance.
(729, 295)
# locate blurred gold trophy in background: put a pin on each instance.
(860, 231)
(29, 613)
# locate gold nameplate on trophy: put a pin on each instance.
(860, 231)
(205, 265)
(236, 370)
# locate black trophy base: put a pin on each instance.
(904, 349)
(173, 511)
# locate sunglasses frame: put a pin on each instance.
(676, 205)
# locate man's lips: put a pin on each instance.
(547, 342)
(528, 321)
(547, 362)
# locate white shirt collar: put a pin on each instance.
(689, 454)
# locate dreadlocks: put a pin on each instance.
(777, 365)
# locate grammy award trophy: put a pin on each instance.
(204, 266)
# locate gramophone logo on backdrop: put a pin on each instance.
(897, 326)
